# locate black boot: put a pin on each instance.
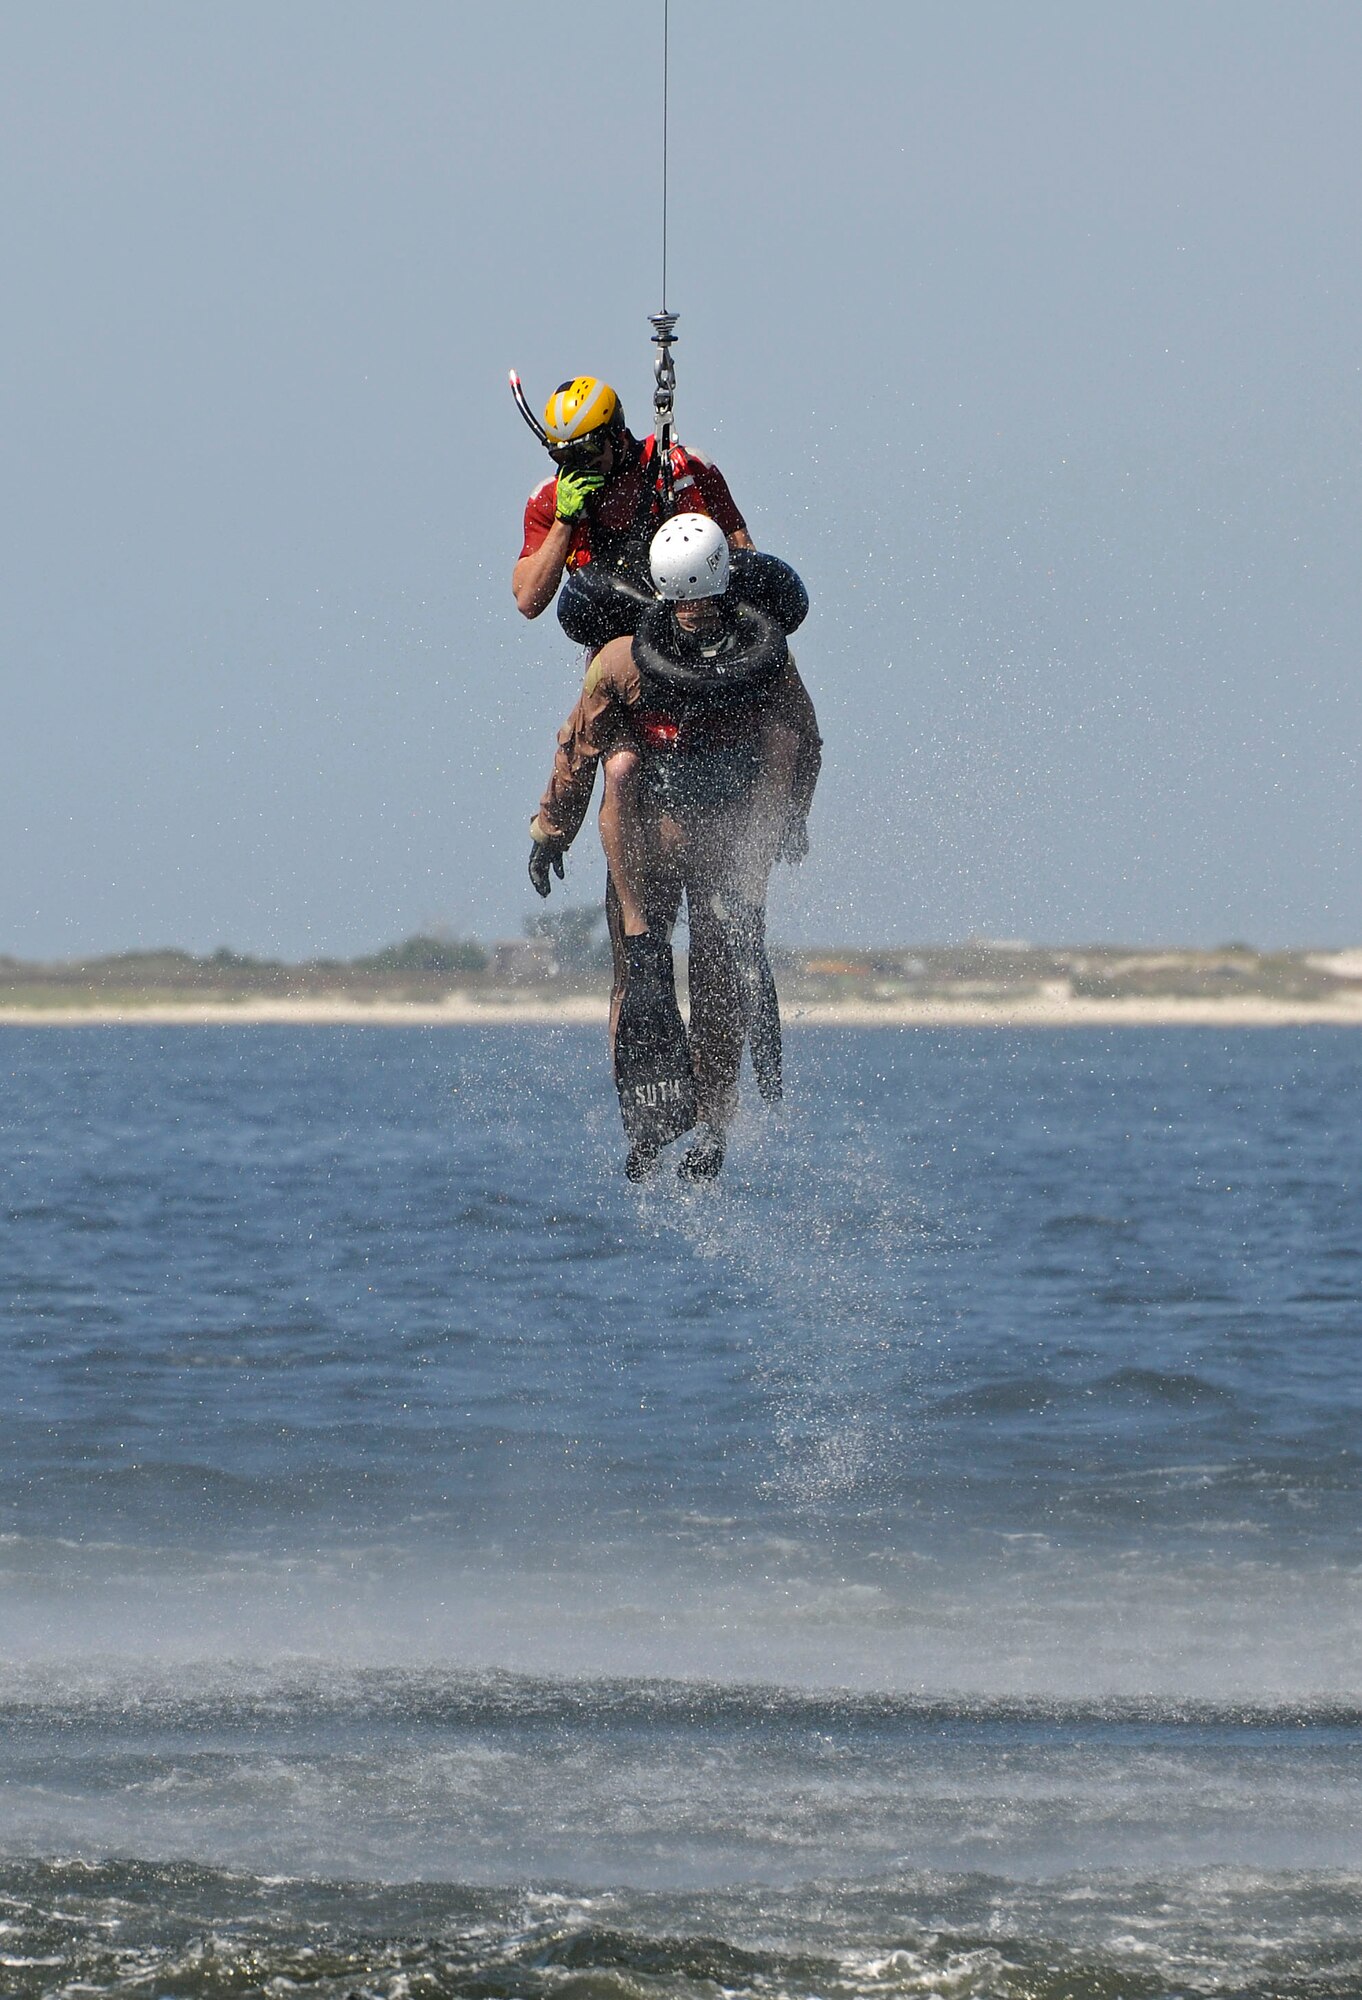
(640, 1163)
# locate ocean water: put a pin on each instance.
(925, 1563)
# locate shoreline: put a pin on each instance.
(1048, 1011)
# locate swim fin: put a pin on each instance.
(652, 1056)
(702, 1161)
(745, 929)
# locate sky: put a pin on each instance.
(1030, 335)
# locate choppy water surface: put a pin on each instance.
(926, 1562)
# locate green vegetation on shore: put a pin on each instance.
(566, 955)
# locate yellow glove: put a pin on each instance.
(574, 490)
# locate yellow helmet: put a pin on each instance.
(581, 406)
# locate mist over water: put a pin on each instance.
(928, 1556)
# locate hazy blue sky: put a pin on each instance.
(1030, 334)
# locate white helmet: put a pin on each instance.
(689, 558)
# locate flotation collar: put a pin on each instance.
(675, 666)
(597, 604)
(770, 584)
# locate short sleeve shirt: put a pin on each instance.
(699, 487)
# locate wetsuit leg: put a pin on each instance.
(745, 936)
(743, 875)
(757, 832)
(717, 1022)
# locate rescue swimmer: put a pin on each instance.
(713, 751)
(594, 517)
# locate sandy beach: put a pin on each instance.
(1051, 1010)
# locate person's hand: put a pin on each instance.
(794, 842)
(545, 855)
(574, 490)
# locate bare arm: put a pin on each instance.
(536, 577)
(595, 727)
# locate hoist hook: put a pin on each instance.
(664, 396)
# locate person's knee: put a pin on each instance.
(705, 917)
(621, 777)
(619, 798)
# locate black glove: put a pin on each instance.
(546, 854)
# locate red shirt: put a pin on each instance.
(699, 487)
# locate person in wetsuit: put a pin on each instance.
(716, 751)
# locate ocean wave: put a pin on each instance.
(133, 1930)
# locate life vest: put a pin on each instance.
(607, 586)
(625, 550)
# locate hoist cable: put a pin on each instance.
(666, 49)
(664, 323)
